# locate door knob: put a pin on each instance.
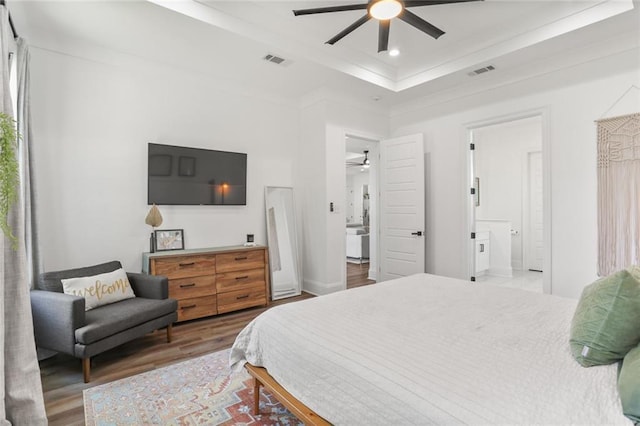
(418, 233)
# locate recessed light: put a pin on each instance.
(394, 52)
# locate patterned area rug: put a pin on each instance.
(201, 391)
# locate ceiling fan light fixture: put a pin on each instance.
(366, 163)
(383, 10)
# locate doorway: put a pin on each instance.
(360, 209)
(508, 204)
(396, 192)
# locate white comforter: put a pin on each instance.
(426, 349)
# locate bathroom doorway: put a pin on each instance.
(360, 209)
(507, 164)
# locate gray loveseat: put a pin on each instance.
(62, 325)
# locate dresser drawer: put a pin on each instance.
(240, 299)
(185, 266)
(239, 280)
(196, 308)
(185, 288)
(240, 260)
(207, 282)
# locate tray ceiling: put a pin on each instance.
(476, 33)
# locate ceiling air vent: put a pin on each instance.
(481, 70)
(275, 59)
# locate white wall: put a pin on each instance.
(324, 123)
(93, 118)
(572, 100)
(501, 164)
(311, 188)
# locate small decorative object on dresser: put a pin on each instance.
(250, 241)
(213, 281)
(169, 239)
(153, 219)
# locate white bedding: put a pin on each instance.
(426, 349)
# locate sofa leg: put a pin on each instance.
(86, 369)
(169, 335)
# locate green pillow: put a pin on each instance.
(606, 324)
(629, 385)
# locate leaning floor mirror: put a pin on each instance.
(284, 262)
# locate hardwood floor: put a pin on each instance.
(62, 374)
(357, 274)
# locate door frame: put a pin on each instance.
(469, 243)
(374, 243)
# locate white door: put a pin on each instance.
(535, 244)
(402, 243)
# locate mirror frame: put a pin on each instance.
(275, 247)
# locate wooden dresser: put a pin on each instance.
(213, 281)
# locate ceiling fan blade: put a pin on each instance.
(329, 9)
(349, 29)
(410, 3)
(421, 24)
(383, 35)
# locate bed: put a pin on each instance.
(426, 349)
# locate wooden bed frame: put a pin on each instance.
(262, 378)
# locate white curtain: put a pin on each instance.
(618, 193)
(22, 401)
(27, 180)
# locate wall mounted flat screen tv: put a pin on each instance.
(191, 176)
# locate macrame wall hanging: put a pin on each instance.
(618, 193)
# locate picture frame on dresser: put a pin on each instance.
(169, 239)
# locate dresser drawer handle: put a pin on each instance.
(242, 297)
(182, 265)
(244, 277)
(187, 285)
(241, 258)
(188, 307)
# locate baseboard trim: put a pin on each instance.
(501, 272)
(318, 288)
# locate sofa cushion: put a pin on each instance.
(52, 281)
(108, 320)
(100, 289)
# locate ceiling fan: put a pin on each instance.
(364, 163)
(383, 11)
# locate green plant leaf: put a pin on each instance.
(9, 174)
